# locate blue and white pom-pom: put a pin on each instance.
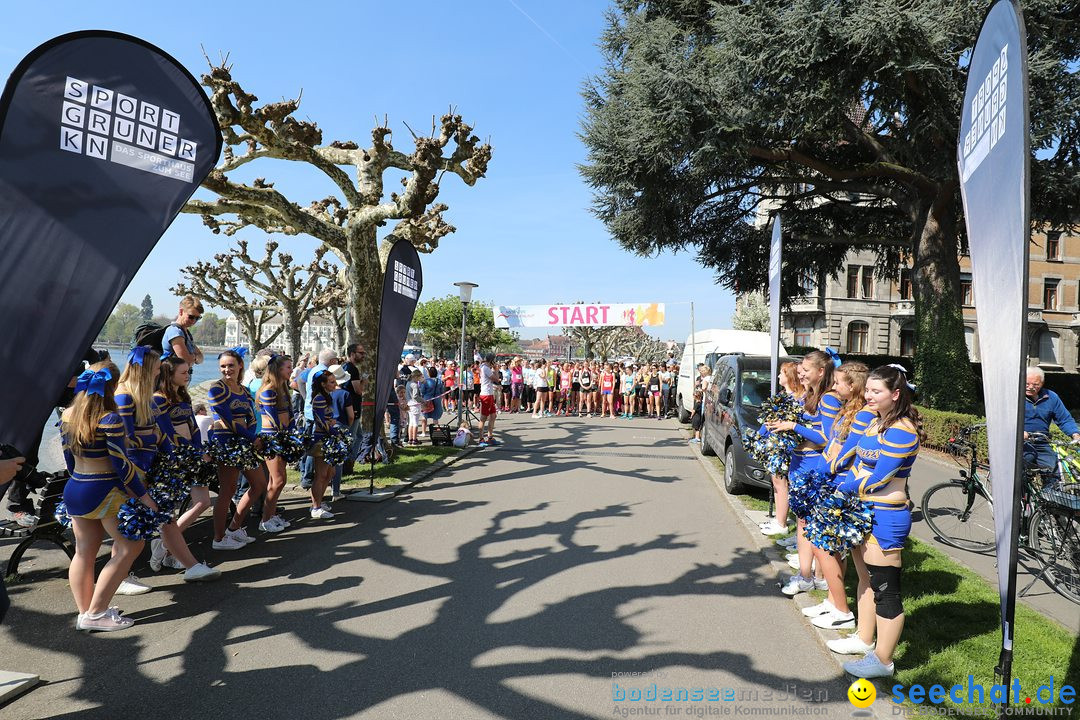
(290, 445)
(336, 446)
(839, 522)
(136, 521)
(234, 452)
(780, 408)
(772, 451)
(804, 491)
(61, 514)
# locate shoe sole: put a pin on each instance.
(203, 578)
(231, 547)
(103, 629)
(845, 625)
(135, 592)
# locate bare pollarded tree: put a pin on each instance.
(206, 280)
(297, 291)
(349, 222)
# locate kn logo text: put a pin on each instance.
(107, 125)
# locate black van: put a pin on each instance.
(739, 384)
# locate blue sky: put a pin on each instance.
(512, 68)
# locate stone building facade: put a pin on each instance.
(860, 312)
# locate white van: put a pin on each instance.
(705, 346)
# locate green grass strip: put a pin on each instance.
(407, 462)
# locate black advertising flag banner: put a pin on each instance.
(103, 138)
(992, 156)
(401, 289)
(775, 257)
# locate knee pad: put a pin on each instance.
(885, 582)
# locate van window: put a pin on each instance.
(711, 358)
(756, 386)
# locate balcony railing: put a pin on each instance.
(807, 304)
(1035, 315)
(904, 308)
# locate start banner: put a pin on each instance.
(580, 315)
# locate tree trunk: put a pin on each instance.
(365, 283)
(292, 321)
(942, 367)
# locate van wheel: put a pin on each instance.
(731, 483)
(684, 416)
(706, 448)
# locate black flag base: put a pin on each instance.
(1003, 676)
(371, 447)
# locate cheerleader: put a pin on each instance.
(850, 385)
(788, 380)
(102, 477)
(323, 423)
(820, 408)
(146, 436)
(172, 406)
(234, 421)
(883, 459)
(275, 411)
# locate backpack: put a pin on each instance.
(150, 334)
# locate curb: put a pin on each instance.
(764, 544)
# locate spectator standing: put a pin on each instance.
(177, 339)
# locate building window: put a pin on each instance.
(853, 281)
(807, 284)
(868, 283)
(967, 297)
(857, 336)
(969, 342)
(804, 335)
(1053, 246)
(1050, 294)
(1045, 347)
(906, 292)
(907, 340)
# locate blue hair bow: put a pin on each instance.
(835, 356)
(241, 351)
(93, 383)
(137, 355)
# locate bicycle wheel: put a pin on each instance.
(1055, 540)
(960, 518)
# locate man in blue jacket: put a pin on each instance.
(1040, 409)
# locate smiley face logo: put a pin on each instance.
(862, 693)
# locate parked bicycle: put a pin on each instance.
(961, 511)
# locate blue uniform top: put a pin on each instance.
(145, 441)
(270, 410)
(841, 450)
(1046, 408)
(235, 410)
(816, 428)
(880, 457)
(173, 415)
(110, 441)
(322, 415)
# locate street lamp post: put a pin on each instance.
(465, 293)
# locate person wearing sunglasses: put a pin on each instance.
(177, 339)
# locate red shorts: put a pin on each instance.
(487, 405)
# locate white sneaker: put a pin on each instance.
(789, 542)
(240, 535)
(171, 562)
(797, 584)
(131, 586)
(793, 562)
(228, 543)
(820, 609)
(157, 554)
(834, 620)
(321, 513)
(201, 572)
(820, 584)
(109, 621)
(280, 520)
(326, 506)
(869, 667)
(269, 526)
(851, 645)
(772, 528)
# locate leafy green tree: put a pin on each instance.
(440, 319)
(120, 327)
(210, 330)
(147, 311)
(751, 313)
(843, 116)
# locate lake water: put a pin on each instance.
(51, 456)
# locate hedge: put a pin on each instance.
(940, 426)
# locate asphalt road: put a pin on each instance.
(523, 582)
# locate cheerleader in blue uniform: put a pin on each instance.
(849, 383)
(884, 456)
(788, 380)
(172, 408)
(322, 411)
(820, 408)
(275, 409)
(102, 478)
(234, 419)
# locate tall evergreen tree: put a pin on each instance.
(841, 115)
(146, 313)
